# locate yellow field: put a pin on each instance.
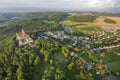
(100, 21)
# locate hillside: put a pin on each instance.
(6, 17)
(64, 48)
(94, 19)
(100, 21)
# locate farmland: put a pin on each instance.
(93, 20)
(100, 21)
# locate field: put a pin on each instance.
(100, 21)
(113, 66)
(82, 18)
(92, 20)
(78, 26)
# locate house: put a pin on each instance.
(24, 39)
(76, 49)
(82, 61)
(73, 54)
(102, 54)
(88, 66)
(81, 37)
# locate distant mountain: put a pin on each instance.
(33, 9)
(30, 9)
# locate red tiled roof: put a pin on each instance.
(21, 35)
(102, 54)
(82, 61)
(76, 49)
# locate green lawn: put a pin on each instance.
(70, 23)
(73, 23)
(82, 26)
(114, 66)
(88, 28)
(48, 22)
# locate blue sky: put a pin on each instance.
(62, 4)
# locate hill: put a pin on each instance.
(100, 21)
(63, 49)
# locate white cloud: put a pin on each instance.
(70, 4)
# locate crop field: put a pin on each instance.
(70, 23)
(100, 21)
(91, 20)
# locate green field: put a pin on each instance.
(48, 22)
(114, 66)
(82, 18)
(70, 23)
(82, 26)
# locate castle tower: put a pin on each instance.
(23, 31)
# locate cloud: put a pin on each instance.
(63, 4)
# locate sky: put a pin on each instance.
(93, 5)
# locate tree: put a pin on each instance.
(20, 74)
(70, 66)
(37, 61)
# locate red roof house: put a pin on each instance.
(102, 54)
(23, 38)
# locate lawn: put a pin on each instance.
(48, 22)
(114, 66)
(82, 26)
(70, 23)
(74, 23)
(88, 28)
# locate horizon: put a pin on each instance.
(109, 6)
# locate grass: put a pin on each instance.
(82, 26)
(88, 28)
(111, 59)
(70, 23)
(107, 21)
(73, 23)
(82, 18)
(114, 66)
(48, 22)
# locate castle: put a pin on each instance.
(24, 39)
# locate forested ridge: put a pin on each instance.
(32, 22)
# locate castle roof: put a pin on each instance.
(21, 34)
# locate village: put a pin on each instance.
(94, 42)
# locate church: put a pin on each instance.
(24, 39)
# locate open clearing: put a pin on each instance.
(114, 66)
(100, 21)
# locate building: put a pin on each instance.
(24, 39)
(82, 61)
(102, 54)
